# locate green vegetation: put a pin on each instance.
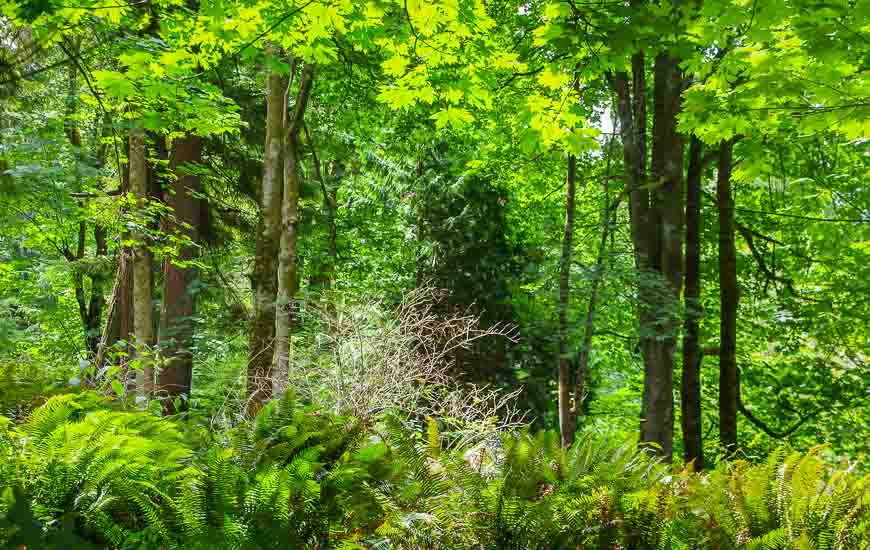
(434, 274)
(296, 478)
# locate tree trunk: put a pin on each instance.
(264, 279)
(119, 313)
(329, 190)
(288, 269)
(656, 219)
(657, 424)
(589, 321)
(90, 308)
(566, 417)
(143, 317)
(119, 320)
(690, 392)
(179, 298)
(729, 377)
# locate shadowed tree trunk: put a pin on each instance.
(729, 377)
(656, 218)
(288, 268)
(657, 422)
(690, 393)
(264, 278)
(566, 418)
(591, 308)
(90, 307)
(179, 298)
(143, 315)
(329, 190)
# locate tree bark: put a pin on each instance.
(264, 279)
(179, 298)
(90, 307)
(729, 377)
(143, 317)
(288, 268)
(656, 218)
(690, 388)
(566, 417)
(591, 307)
(119, 320)
(665, 252)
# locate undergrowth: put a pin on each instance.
(83, 472)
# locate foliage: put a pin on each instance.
(297, 477)
(433, 151)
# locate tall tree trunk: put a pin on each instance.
(143, 316)
(97, 300)
(657, 424)
(690, 388)
(729, 376)
(264, 279)
(656, 219)
(566, 417)
(179, 299)
(288, 274)
(90, 308)
(591, 307)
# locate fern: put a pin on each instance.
(80, 469)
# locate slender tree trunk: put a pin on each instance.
(288, 273)
(591, 307)
(330, 204)
(264, 279)
(179, 298)
(329, 190)
(729, 376)
(566, 417)
(90, 308)
(143, 316)
(118, 325)
(690, 393)
(119, 313)
(97, 300)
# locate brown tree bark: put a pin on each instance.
(143, 317)
(657, 422)
(690, 387)
(119, 320)
(288, 268)
(179, 299)
(566, 417)
(729, 376)
(264, 278)
(656, 218)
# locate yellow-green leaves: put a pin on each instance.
(553, 78)
(455, 117)
(115, 84)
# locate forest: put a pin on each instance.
(435, 274)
